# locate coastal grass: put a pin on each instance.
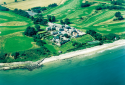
(50, 48)
(83, 39)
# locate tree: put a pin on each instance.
(3, 8)
(44, 22)
(98, 36)
(91, 32)
(85, 4)
(5, 3)
(53, 19)
(29, 9)
(40, 42)
(30, 31)
(36, 38)
(61, 21)
(53, 5)
(118, 14)
(67, 21)
(120, 18)
(3, 56)
(32, 18)
(98, 7)
(111, 36)
(74, 43)
(66, 35)
(16, 54)
(15, 0)
(37, 27)
(119, 2)
(49, 17)
(40, 16)
(16, 10)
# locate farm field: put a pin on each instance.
(30, 3)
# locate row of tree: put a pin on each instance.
(100, 7)
(118, 2)
(53, 5)
(3, 8)
(103, 38)
(21, 12)
(39, 9)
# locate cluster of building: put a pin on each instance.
(63, 33)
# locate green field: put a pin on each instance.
(17, 44)
(11, 28)
(10, 23)
(71, 9)
(67, 46)
(25, 5)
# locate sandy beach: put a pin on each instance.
(95, 49)
(29, 64)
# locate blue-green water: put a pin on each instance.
(107, 68)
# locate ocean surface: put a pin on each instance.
(102, 68)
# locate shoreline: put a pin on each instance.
(32, 65)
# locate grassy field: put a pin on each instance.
(67, 46)
(91, 20)
(17, 44)
(10, 23)
(30, 3)
(11, 29)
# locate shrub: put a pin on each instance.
(120, 18)
(16, 55)
(118, 14)
(37, 27)
(30, 31)
(98, 8)
(3, 8)
(53, 5)
(85, 5)
(67, 21)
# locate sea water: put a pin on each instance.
(102, 68)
